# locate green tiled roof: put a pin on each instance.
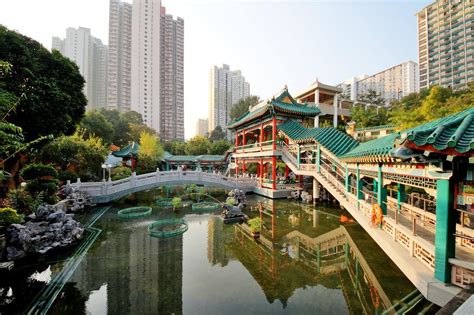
(284, 103)
(373, 148)
(332, 139)
(211, 158)
(127, 151)
(381, 127)
(454, 132)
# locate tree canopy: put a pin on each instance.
(47, 87)
(241, 107)
(94, 123)
(150, 151)
(427, 105)
(369, 116)
(82, 156)
(197, 146)
(219, 147)
(175, 147)
(217, 134)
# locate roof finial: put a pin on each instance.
(285, 88)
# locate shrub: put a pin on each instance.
(230, 201)
(41, 178)
(255, 225)
(64, 176)
(176, 202)
(20, 199)
(121, 172)
(9, 216)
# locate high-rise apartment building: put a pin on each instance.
(145, 93)
(392, 83)
(58, 44)
(99, 73)
(226, 87)
(201, 127)
(171, 112)
(90, 55)
(349, 87)
(119, 57)
(446, 43)
(158, 68)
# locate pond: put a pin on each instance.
(309, 259)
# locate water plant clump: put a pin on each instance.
(134, 212)
(167, 228)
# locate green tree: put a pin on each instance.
(83, 156)
(12, 140)
(175, 147)
(241, 107)
(47, 85)
(150, 151)
(121, 134)
(428, 105)
(370, 116)
(94, 123)
(133, 118)
(137, 129)
(197, 146)
(371, 97)
(219, 147)
(217, 134)
(41, 178)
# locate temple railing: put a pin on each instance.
(255, 147)
(418, 247)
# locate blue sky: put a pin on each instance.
(273, 42)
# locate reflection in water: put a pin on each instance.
(304, 262)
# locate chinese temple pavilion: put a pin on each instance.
(256, 137)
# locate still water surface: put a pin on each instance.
(309, 260)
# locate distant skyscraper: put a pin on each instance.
(392, 83)
(99, 73)
(171, 77)
(119, 59)
(90, 55)
(349, 87)
(58, 44)
(445, 44)
(202, 127)
(226, 88)
(145, 93)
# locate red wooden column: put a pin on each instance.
(261, 172)
(236, 139)
(274, 171)
(243, 166)
(274, 132)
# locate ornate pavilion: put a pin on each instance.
(256, 138)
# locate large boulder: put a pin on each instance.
(48, 229)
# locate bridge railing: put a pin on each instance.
(136, 181)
